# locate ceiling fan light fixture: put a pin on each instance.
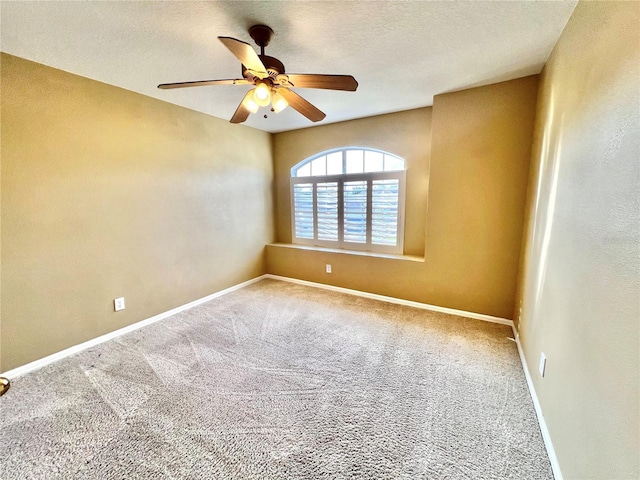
(278, 102)
(270, 83)
(262, 94)
(249, 102)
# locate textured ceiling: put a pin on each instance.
(401, 52)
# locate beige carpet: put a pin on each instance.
(281, 381)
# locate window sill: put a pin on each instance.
(410, 258)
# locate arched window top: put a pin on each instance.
(349, 160)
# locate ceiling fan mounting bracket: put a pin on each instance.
(261, 34)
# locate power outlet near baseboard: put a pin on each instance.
(327, 268)
(118, 304)
(543, 364)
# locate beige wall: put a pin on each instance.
(470, 153)
(479, 172)
(108, 193)
(579, 300)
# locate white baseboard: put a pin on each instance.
(408, 303)
(546, 436)
(29, 367)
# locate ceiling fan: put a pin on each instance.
(272, 84)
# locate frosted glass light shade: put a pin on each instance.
(262, 95)
(278, 102)
(249, 102)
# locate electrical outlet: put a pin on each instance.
(118, 304)
(543, 364)
(328, 268)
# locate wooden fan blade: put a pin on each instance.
(327, 82)
(301, 105)
(202, 83)
(246, 54)
(242, 112)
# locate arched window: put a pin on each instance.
(349, 198)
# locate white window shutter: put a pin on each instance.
(349, 198)
(304, 211)
(327, 210)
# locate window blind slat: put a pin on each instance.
(303, 210)
(355, 212)
(384, 209)
(327, 204)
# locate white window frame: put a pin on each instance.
(340, 179)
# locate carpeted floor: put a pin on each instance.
(281, 381)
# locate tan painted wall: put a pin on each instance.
(472, 162)
(108, 193)
(580, 285)
(479, 172)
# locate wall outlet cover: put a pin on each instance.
(118, 304)
(328, 268)
(543, 364)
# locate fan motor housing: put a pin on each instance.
(274, 66)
